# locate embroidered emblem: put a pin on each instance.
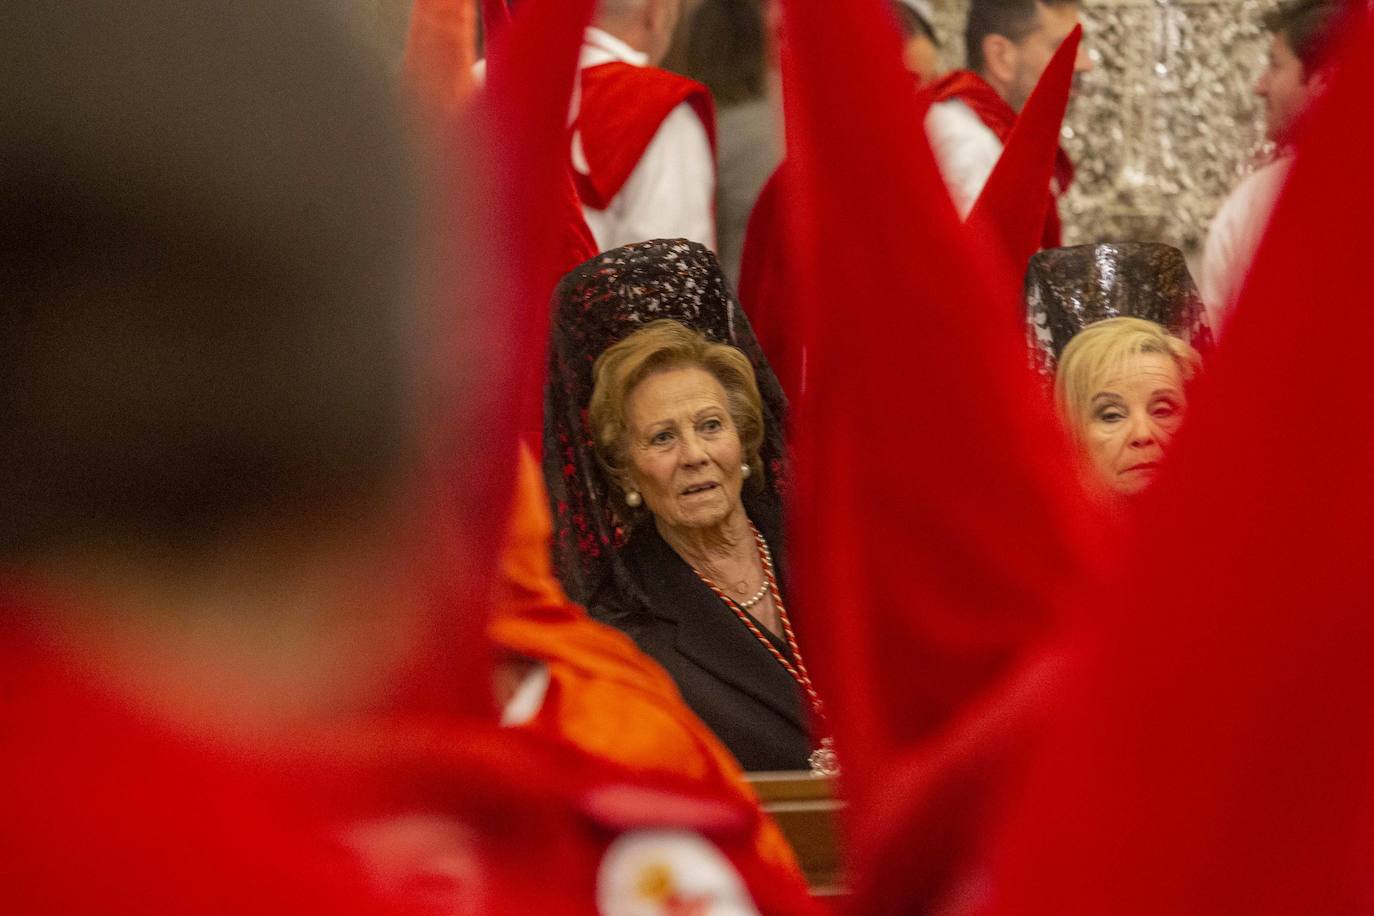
(669, 873)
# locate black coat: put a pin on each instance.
(724, 673)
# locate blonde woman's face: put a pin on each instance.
(684, 450)
(1132, 419)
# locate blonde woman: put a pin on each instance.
(1122, 388)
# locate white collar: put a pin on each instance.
(600, 47)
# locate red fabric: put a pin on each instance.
(495, 19)
(622, 108)
(441, 51)
(974, 91)
(509, 160)
(538, 817)
(1010, 210)
(530, 86)
(108, 810)
(1213, 754)
(926, 850)
(766, 279)
(928, 553)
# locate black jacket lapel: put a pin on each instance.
(709, 633)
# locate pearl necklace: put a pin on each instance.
(754, 599)
(823, 760)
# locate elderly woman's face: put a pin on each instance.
(684, 451)
(1132, 419)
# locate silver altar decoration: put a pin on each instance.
(1167, 121)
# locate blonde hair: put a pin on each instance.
(656, 347)
(1100, 352)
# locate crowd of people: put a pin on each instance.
(435, 495)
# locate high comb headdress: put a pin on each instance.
(1068, 289)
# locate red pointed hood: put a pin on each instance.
(512, 150)
(1215, 754)
(529, 92)
(936, 514)
(1010, 212)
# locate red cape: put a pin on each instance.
(622, 108)
(766, 281)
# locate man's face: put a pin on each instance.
(1033, 53)
(1285, 88)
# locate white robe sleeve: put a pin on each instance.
(1234, 237)
(966, 150)
(671, 192)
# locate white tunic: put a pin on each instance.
(671, 191)
(1235, 236)
(966, 149)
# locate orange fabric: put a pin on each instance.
(441, 50)
(605, 696)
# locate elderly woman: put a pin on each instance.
(663, 453)
(678, 424)
(1122, 389)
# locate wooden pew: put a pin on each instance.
(807, 811)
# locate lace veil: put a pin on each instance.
(1068, 289)
(597, 304)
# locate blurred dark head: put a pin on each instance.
(913, 18)
(206, 323)
(920, 47)
(1308, 27)
(1010, 42)
(727, 50)
(1300, 51)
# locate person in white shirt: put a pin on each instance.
(1009, 44)
(1293, 78)
(643, 142)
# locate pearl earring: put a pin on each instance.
(744, 471)
(633, 499)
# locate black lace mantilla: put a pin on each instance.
(1068, 289)
(596, 305)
